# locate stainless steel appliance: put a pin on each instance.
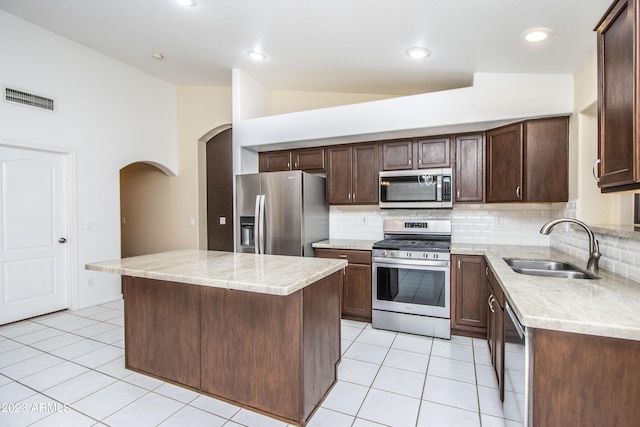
(411, 278)
(516, 369)
(280, 213)
(416, 189)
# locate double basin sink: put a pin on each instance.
(548, 268)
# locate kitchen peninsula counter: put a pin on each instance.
(607, 307)
(259, 331)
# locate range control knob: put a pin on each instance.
(408, 254)
(435, 256)
(384, 253)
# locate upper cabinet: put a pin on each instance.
(528, 161)
(305, 159)
(469, 169)
(352, 174)
(418, 153)
(274, 161)
(618, 164)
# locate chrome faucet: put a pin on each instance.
(594, 247)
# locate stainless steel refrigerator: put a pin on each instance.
(280, 213)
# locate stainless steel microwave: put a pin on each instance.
(416, 189)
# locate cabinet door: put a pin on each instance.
(504, 164)
(496, 317)
(274, 161)
(434, 153)
(469, 290)
(618, 80)
(339, 175)
(397, 155)
(308, 159)
(546, 162)
(357, 291)
(469, 178)
(365, 174)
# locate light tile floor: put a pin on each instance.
(67, 369)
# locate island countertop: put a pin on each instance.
(266, 274)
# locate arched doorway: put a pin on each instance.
(219, 167)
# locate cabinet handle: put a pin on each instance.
(457, 194)
(490, 301)
(458, 264)
(518, 192)
(595, 170)
(486, 271)
(349, 196)
(289, 165)
(295, 165)
(342, 255)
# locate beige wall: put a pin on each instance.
(290, 101)
(162, 212)
(592, 207)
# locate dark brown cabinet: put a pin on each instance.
(495, 327)
(352, 174)
(469, 169)
(274, 161)
(305, 159)
(356, 294)
(528, 161)
(397, 155)
(468, 295)
(418, 153)
(433, 152)
(619, 98)
(308, 159)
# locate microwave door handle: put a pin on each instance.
(439, 188)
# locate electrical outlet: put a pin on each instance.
(499, 221)
(363, 220)
(90, 282)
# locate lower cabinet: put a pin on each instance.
(495, 327)
(356, 294)
(469, 295)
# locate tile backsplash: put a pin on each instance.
(498, 224)
(502, 224)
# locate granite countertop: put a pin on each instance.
(607, 307)
(267, 274)
(355, 244)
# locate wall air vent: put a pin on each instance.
(28, 99)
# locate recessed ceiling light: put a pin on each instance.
(256, 56)
(157, 55)
(188, 3)
(418, 52)
(535, 35)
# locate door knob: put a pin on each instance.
(62, 240)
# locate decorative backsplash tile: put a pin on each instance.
(498, 224)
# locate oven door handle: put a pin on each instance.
(424, 265)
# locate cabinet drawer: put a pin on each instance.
(351, 255)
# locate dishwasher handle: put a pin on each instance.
(514, 319)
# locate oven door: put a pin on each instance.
(407, 286)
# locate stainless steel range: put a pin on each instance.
(411, 278)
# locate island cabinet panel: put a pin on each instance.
(273, 354)
(161, 317)
(584, 380)
(243, 332)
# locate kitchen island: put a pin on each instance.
(259, 331)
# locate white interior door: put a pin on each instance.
(33, 230)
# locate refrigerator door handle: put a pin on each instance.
(256, 220)
(261, 234)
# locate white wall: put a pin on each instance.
(110, 115)
(492, 97)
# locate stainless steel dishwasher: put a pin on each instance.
(516, 369)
